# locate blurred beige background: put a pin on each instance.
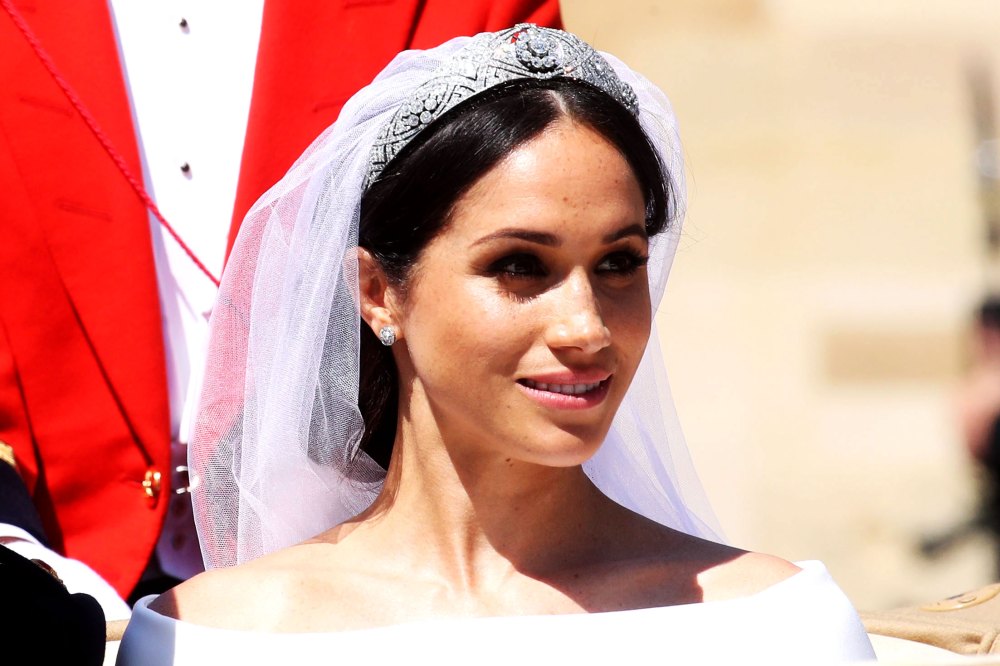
(816, 320)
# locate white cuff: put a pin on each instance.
(76, 575)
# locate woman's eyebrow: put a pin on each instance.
(520, 234)
(542, 238)
(630, 230)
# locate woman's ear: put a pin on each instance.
(375, 294)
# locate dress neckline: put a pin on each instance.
(812, 572)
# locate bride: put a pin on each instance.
(435, 419)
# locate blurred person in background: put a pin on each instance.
(979, 412)
(105, 108)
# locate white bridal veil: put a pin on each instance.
(274, 454)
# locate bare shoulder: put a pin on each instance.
(222, 598)
(743, 574)
(667, 567)
(258, 596)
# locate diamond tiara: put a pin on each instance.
(525, 51)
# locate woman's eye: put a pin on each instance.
(622, 263)
(518, 266)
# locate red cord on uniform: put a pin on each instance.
(102, 138)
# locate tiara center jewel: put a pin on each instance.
(537, 51)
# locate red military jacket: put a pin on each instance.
(83, 389)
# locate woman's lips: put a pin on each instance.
(561, 394)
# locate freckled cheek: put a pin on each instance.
(468, 330)
(498, 325)
(629, 313)
(629, 319)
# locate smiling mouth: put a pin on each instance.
(564, 389)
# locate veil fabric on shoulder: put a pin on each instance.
(274, 455)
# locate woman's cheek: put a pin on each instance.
(628, 312)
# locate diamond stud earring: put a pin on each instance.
(387, 336)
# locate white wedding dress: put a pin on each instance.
(805, 619)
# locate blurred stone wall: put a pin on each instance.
(816, 320)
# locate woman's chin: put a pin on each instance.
(566, 449)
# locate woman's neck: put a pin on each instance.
(474, 518)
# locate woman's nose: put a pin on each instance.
(578, 322)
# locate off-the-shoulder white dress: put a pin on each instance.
(805, 619)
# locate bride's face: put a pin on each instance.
(526, 317)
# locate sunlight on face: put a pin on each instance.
(528, 314)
